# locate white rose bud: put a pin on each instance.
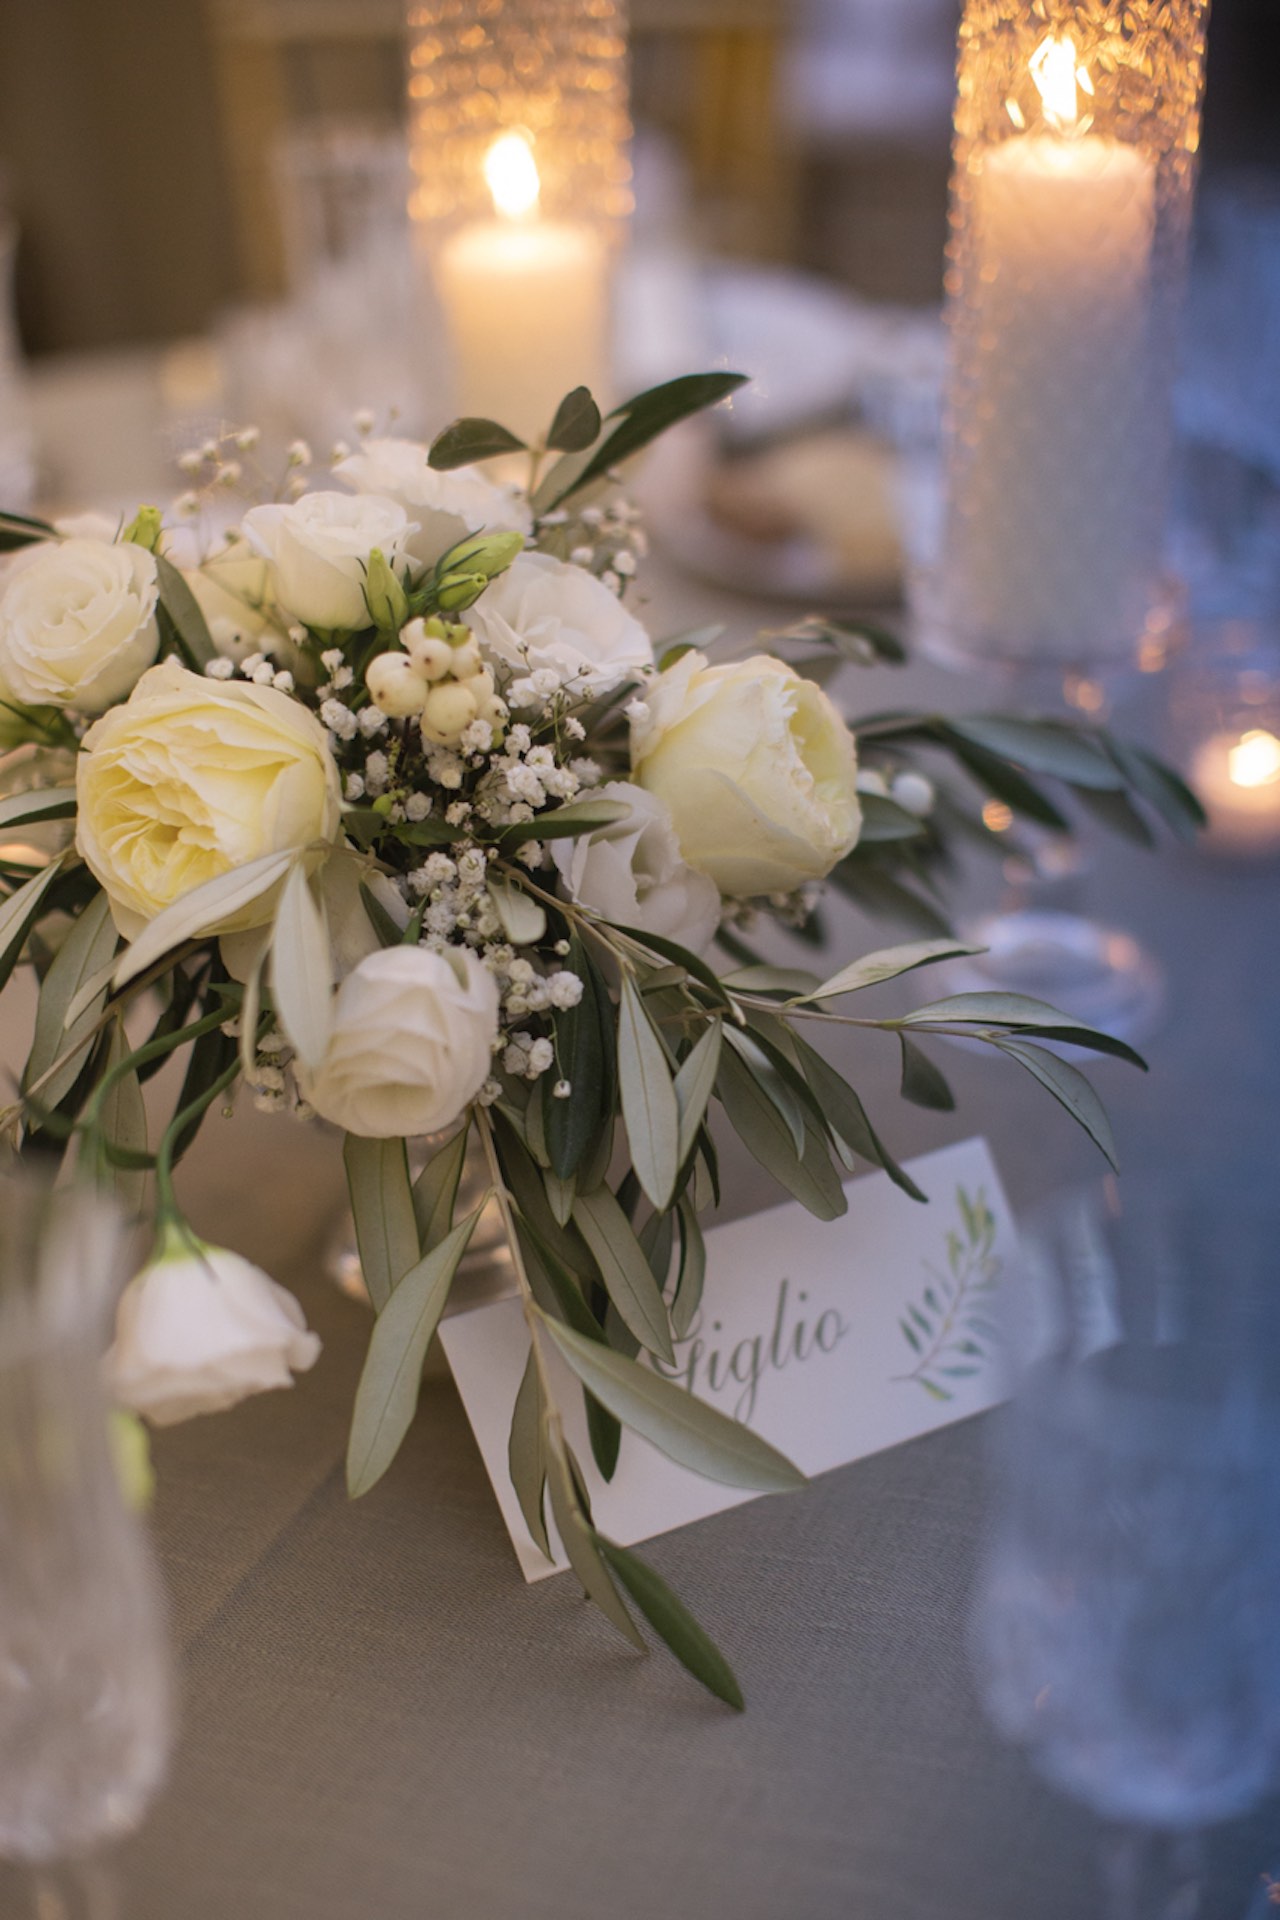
(448, 713)
(412, 1041)
(446, 507)
(78, 623)
(635, 875)
(543, 615)
(757, 768)
(395, 686)
(200, 1329)
(319, 550)
(171, 754)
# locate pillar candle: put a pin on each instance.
(1053, 540)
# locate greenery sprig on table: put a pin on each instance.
(377, 800)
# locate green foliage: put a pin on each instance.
(471, 439)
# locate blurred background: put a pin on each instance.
(149, 147)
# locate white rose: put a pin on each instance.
(412, 1043)
(446, 506)
(200, 1329)
(78, 623)
(319, 553)
(546, 614)
(192, 777)
(757, 768)
(233, 590)
(635, 875)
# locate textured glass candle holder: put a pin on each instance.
(85, 1685)
(1077, 124)
(519, 144)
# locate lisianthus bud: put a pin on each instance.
(144, 529)
(384, 593)
(486, 553)
(458, 591)
(395, 686)
(466, 570)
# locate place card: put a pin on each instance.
(832, 1340)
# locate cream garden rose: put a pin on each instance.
(756, 767)
(445, 507)
(412, 1043)
(200, 1329)
(319, 549)
(192, 777)
(635, 874)
(546, 616)
(78, 623)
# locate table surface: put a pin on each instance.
(380, 1718)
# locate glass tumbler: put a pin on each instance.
(1126, 1627)
(85, 1699)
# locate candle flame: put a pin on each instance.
(1058, 74)
(512, 176)
(1255, 760)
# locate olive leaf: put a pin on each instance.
(184, 614)
(382, 1204)
(627, 1276)
(388, 1392)
(19, 912)
(673, 1623)
(436, 1190)
(48, 803)
(686, 1429)
(649, 1104)
(61, 1034)
(922, 1083)
(302, 969)
(526, 1456)
(887, 964)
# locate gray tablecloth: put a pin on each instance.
(381, 1720)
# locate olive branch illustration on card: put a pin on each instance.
(948, 1328)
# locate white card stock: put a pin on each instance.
(832, 1340)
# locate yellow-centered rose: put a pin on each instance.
(757, 770)
(192, 777)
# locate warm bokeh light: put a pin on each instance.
(511, 173)
(1255, 761)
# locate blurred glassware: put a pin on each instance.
(1229, 395)
(1226, 524)
(1126, 1621)
(1224, 732)
(85, 1694)
(352, 334)
(17, 451)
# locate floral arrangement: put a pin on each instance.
(375, 796)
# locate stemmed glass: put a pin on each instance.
(84, 1656)
(1126, 1621)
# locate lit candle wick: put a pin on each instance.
(511, 174)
